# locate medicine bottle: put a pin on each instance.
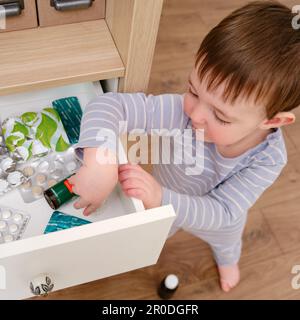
(168, 286)
(59, 194)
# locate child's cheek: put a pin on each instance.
(220, 136)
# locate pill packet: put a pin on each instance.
(46, 172)
(13, 223)
(70, 113)
(61, 221)
(10, 177)
(3, 149)
(34, 134)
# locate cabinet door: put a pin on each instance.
(20, 14)
(55, 12)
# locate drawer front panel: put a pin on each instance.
(25, 20)
(91, 258)
(50, 16)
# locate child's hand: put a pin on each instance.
(138, 183)
(93, 182)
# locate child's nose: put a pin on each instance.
(199, 115)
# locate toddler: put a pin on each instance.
(244, 84)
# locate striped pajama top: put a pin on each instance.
(212, 199)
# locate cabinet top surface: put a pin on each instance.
(45, 57)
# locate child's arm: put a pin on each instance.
(108, 111)
(224, 205)
(100, 127)
(93, 181)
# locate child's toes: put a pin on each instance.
(229, 276)
(225, 285)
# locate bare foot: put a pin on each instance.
(229, 276)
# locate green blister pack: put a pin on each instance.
(34, 134)
(61, 221)
(70, 112)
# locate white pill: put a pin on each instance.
(15, 178)
(51, 183)
(37, 191)
(44, 165)
(28, 171)
(40, 178)
(2, 225)
(56, 174)
(18, 217)
(6, 164)
(6, 214)
(13, 228)
(3, 185)
(26, 185)
(71, 166)
(8, 238)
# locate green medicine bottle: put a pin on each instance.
(59, 194)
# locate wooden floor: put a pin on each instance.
(272, 235)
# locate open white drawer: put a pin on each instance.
(123, 236)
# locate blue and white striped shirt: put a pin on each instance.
(225, 189)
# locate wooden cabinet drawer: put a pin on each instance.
(123, 236)
(25, 20)
(63, 13)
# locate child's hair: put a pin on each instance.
(256, 52)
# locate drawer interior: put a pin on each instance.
(117, 203)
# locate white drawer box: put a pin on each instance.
(123, 236)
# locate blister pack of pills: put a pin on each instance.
(13, 223)
(10, 177)
(47, 172)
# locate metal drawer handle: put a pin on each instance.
(12, 8)
(64, 5)
(41, 285)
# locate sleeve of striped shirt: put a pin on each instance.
(104, 117)
(224, 205)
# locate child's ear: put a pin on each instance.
(279, 120)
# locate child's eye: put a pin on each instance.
(220, 120)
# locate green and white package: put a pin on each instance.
(70, 113)
(34, 134)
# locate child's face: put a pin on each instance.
(223, 123)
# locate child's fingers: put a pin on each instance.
(131, 174)
(128, 166)
(134, 192)
(134, 179)
(89, 209)
(81, 203)
(139, 174)
(123, 167)
(134, 184)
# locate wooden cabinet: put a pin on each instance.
(45, 63)
(21, 14)
(119, 46)
(56, 12)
